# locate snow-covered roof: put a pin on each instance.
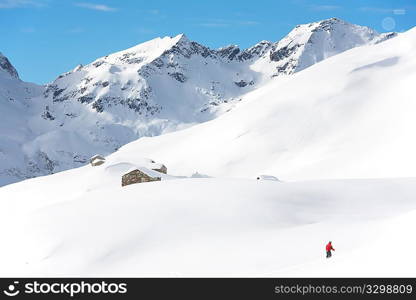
(146, 171)
(97, 156)
(157, 166)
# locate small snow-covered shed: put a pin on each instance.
(139, 175)
(97, 160)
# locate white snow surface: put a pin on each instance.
(321, 131)
(156, 87)
(81, 222)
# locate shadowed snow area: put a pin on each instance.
(388, 62)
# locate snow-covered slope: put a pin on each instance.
(81, 222)
(156, 87)
(356, 121)
(349, 116)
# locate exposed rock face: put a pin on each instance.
(7, 67)
(155, 87)
(229, 52)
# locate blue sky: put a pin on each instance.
(44, 38)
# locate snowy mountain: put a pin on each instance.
(15, 107)
(310, 43)
(350, 116)
(357, 120)
(153, 88)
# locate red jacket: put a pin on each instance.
(329, 247)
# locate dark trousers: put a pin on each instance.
(328, 254)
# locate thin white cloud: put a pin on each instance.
(20, 3)
(325, 7)
(381, 10)
(154, 14)
(249, 23)
(226, 23)
(399, 11)
(93, 6)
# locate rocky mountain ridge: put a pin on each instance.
(158, 86)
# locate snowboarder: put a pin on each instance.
(329, 248)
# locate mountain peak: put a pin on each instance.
(310, 43)
(333, 20)
(322, 24)
(181, 37)
(7, 67)
(144, 52)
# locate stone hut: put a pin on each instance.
(139, 175)
(97, 160)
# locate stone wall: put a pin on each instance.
(137, 176)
